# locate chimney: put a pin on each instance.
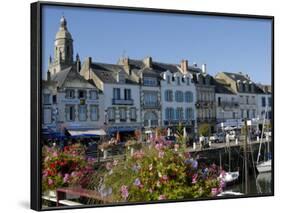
(48, 75)
(204, 68)
(78, 63)
(184, 66)
(88, 62)
(148, 62)
(126, 64)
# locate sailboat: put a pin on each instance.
(229, 177)
(264, 166)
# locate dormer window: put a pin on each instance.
(243, 87)
(120, 78)
(150, 81)
(178, 80)
(187, 81)
(168, 79)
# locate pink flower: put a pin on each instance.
(45, 173)
(50, 182)
(222, 183)
(66, 178)
(194, 178)
(161, 197)
(124, 192)
(161, 154)
(55, 154)
(115, 162)
(138, 154)
(158, 146)
(165, 177)
(214, 191)
(73, 174)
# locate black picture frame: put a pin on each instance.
(36, 76)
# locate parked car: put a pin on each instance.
(218, 138)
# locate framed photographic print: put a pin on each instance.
(141, 106)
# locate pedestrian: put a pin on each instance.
(227, 138)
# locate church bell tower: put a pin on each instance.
(63, 49)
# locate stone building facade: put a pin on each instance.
(247, 92)
(227, 102)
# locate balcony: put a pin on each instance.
(177, 122)
(228, 104)
(204, 104)
(151, 105)
(122, 102)
(206, 120)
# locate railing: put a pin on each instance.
(228, 104)
(151, 105)
(122, 102)
(204, 104)
(151, 123)
(176, 122)
(206, 120)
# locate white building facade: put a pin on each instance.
(265, 103)
(122, 96)
(178, 100)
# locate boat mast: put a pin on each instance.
(245, 157)
(261, 139)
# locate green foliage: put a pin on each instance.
(204, 129)
(160, 172)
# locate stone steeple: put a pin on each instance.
(63, 49)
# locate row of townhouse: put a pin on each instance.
(137, 94)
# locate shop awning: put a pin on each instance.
(94, 132)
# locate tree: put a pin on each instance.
(204, 129)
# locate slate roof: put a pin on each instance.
(106, 72)
(237, 76)
(267, 89)
(158, 67)
(222, 87)
(242, 78)
(61, 76)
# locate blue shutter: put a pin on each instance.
(167, 113)
(172, 114)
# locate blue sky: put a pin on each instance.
(223, 43)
